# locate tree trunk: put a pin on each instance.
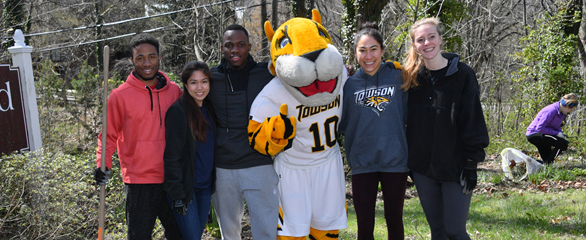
(275, 13)
(298, 8)
(578, 5)
(196, 50)
(263, 17)
(311, 5)
(13, 16)
(525, 17)
(370, 11)
(571, 27)
(99, 7)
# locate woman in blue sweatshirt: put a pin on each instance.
(373, 121)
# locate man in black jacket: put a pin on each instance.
(241, 172)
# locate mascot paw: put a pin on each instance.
(283, 127)
(272, 136)
(397, 64)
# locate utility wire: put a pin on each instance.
(110, 38)
(124, 21)
(86, 43)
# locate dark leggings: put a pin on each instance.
(144, 203)
(445, 207)
(364, 191)
(549, 146)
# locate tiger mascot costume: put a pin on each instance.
(295, 118)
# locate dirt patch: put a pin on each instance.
(493, 166)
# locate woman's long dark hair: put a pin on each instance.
(195, 118)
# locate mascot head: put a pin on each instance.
(304, 59)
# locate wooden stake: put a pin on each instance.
(104, 123)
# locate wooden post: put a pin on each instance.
(104, 140)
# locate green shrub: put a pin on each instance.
(51, 196)
(70, 112)
(549, 60)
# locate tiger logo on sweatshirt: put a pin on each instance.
(375, 98)
(377, 103)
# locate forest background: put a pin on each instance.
(526, 54)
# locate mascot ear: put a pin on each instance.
(315, 16)
(272, 68)
(269, 31)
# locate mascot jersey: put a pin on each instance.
(315, 142)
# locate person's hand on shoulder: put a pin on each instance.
(350, 69)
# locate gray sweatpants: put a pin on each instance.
(256, 185)
(445, 207)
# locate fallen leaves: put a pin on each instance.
(559, 220)
(546, 185)
(493, 166)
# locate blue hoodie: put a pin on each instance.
(373, 121)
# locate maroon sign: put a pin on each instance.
(13, 132)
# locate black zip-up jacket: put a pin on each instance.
(231, 96)
(445, 123)
(180, 152)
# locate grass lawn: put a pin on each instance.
(501, 215)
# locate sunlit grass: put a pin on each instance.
(502, 215)
(528, 215)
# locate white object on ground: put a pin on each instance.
(509, 155)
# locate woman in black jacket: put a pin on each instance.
(446, 131)
(189, 151)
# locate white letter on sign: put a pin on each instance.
(7, 90)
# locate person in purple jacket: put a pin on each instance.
(545, 132)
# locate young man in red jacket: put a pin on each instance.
(136, 127)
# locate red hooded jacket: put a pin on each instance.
(136, 127)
